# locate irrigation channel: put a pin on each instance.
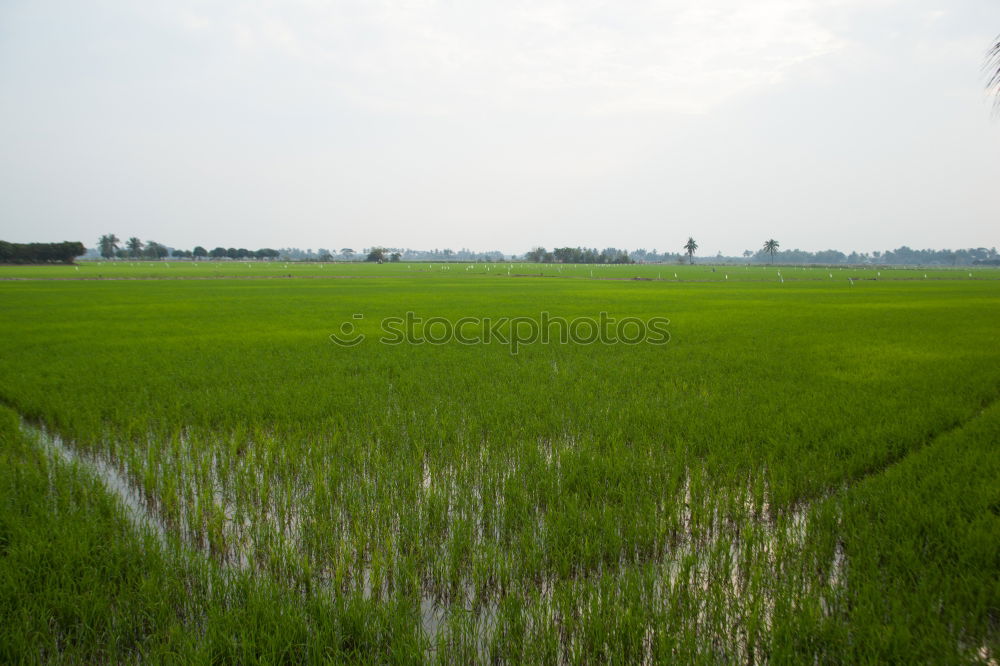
(720, 560)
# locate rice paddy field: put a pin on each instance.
(191, 468)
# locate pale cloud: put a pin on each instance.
(594, 57)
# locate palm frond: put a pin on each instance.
(992, 68)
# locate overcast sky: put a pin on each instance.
(846, 124)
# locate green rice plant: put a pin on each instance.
(738, 494)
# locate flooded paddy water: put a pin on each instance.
(720, 556)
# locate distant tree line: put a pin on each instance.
(770, 252)
(904, 255)
(228, 253)
(109, 247)
(375, 253)
(381, 254)
(578, 255)
(41, 253)
(643, 256)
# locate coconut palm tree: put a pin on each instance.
(108, 244)
(690, 247)
(134, 247)
(771, 247)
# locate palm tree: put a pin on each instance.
(992, 67)
(771, 247)
(690, 247)
(155, 250)
(108, 244)
(134, 247)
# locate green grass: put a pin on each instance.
(803, 472)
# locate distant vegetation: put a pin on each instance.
(768, 253)
(40, 253)
(900, 256)
(135, 248)
(111, 247)
(578, 255)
